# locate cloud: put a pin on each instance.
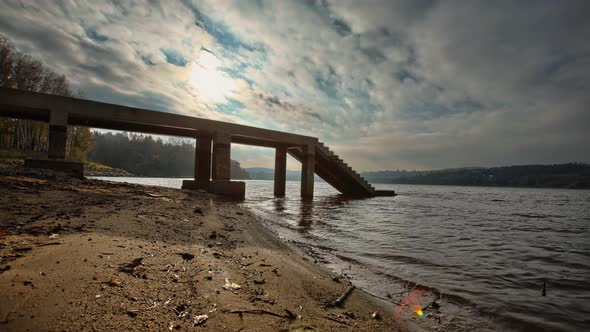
(387, 84)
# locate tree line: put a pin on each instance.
(570, 175)
(22, 71)
(145, 156)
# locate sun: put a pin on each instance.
(211, 83)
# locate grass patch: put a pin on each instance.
(97, 166)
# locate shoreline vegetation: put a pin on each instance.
(566, 176)
(90, 254)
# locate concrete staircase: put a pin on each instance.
(337, 173)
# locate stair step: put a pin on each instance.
(335, 170)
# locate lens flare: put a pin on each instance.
(411, 304)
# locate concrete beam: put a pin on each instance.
(221, 156)
(135, 127)
(254, 141)
(83, 112)
(11, 111)
(307, 171)
(280, 170)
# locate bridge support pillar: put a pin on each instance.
(307, 171)
(202, 171)
(58, 135)
(221, 156)
(56, 148)
(221, 183)
(280, 170)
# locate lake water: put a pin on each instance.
(483, 253)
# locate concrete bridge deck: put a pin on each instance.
(213, 141)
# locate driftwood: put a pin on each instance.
(289, 314)
(49, 244)
(340, 300)
(336, 320)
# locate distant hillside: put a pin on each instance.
(388, 176)
(572, 175)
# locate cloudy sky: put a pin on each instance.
(386, 84)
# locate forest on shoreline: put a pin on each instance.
(570, 175)
(145, 156)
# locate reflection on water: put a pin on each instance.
(305, 214)
(279, 204)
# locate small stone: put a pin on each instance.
(200, 319)
(186, 256)
(114, 282)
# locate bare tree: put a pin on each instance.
(23, 72)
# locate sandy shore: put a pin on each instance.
(99, 256)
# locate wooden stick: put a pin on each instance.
(336, 320)
(340, 301)
(259, 312)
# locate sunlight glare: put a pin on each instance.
(211, 83)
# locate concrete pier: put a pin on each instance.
(221, 156)
(214, 139)
(58, 135)
(307, 171)
(203, 162)
(280, 170)
(202, 171)
(221, 174)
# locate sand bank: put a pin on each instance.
(95, 255)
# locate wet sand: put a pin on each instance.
(91, 255)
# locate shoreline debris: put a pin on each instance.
(200, 319)
(340, 300)
(231, 285)
(131, 266)
(289, 315)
